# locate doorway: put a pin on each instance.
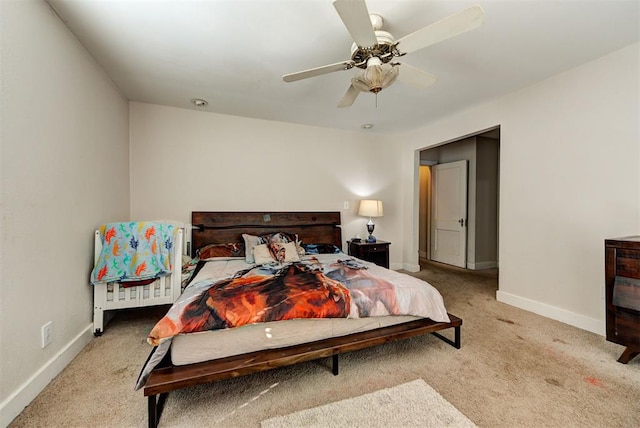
(481, 153)
(448, 213)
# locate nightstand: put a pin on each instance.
(374, 252)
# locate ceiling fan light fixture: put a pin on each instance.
(375, 77)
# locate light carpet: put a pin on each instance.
(515, 369)
(412, 404)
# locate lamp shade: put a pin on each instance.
(370, 208)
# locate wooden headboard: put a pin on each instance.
(217, 227)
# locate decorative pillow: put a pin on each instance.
(251, 241)
(262, 255)
(284, 253)
(321, 249)
(230, 250)
(283, 237)
(279, 237)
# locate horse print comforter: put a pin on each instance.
(339, 288)
(318, 286)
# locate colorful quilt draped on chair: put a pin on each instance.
(134, 251)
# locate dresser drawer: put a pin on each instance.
(627, 327)
(626, 293)
(628, 263)
(376, 249)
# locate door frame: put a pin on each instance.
(491, 132)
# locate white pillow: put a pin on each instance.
(250, 241)
(262, 255)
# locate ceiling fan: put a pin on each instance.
(373, 49)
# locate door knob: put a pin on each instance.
(461, 221)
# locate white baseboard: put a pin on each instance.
(482, 265)
(19, 399)
(586, 323)
(409, 267)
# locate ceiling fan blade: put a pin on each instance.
(453, 25)
(355, 16)
(415, 77)
(349, 97)
(318, 71)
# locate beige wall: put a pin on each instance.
(214, 162)
(487, 175)
(64, 170)
(569, 178)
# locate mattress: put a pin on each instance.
(213, 344)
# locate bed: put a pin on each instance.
(184, 358)
(116, 295)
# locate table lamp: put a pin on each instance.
(370, 208)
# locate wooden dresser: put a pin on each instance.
(622, 275)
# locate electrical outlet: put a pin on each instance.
(345, 205)
(47, 331)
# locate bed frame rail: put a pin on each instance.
(163, 380)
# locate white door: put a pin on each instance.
(449, 213)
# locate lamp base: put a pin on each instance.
(370, 228)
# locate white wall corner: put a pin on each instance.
(581, 321)
(19, 399)
(482, 265)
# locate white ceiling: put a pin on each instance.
(233, 53)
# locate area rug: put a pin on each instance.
(412, 404)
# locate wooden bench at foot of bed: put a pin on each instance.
(167, 378)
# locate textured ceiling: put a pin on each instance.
(234, 53)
